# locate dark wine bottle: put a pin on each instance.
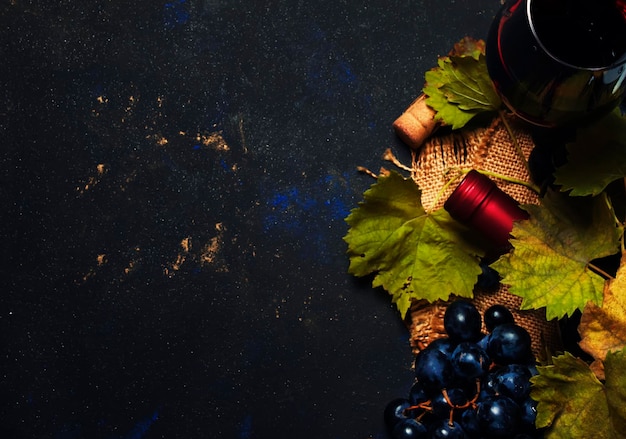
(558, 62)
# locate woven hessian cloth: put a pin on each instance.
(487, 149)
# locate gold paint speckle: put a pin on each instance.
(93, 180)
(186, 244)
(130, 267)
(133, 263)
(208, 254)
(173, 267)
(159, 139)
(211, 252)
(213, 140)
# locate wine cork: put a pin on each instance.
(416, 124)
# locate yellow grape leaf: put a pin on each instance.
(574, 404)
(603, 328)
(549, 264)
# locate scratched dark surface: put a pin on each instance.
(174, 179)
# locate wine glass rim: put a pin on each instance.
(615, 64)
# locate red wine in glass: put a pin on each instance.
(559, 62)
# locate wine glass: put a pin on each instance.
(559, 62)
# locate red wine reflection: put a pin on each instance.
(555, 62)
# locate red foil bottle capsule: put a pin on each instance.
(478, 203)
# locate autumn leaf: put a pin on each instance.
(549, 264)
(573, 403)
(596, 158)
(460, 88)
(615, 384)
(468, 46)
(603, 328)
(412, 254)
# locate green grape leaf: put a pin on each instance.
(460, 88)
(574, 403)
(413, 254)
(596, 158)
(549, 264)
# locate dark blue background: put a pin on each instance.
(129, 129)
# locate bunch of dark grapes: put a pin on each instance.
(468, 384)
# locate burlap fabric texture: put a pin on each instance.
(489, 149)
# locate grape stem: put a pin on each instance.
(390, 157)
(452, 407)
(620, 224)
(527, 184)
(447, 184)
(518, 149)
(600, 271)
(470, 403)
(425, 406)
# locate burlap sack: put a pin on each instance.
(490, 149)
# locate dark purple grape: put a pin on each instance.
(396, 411)
(418, 394)
(433, 370)
(533, 370)
(489, 279)
(489, 384)
(443, 429)
(528, 410)
(462, 321)
(440, 406)
(469, 361)
(497, 315)
(484, 342)
(443, 344)
(498, 416)
(513, 381)
(469, 422)
(509, 344)
(409, 429)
